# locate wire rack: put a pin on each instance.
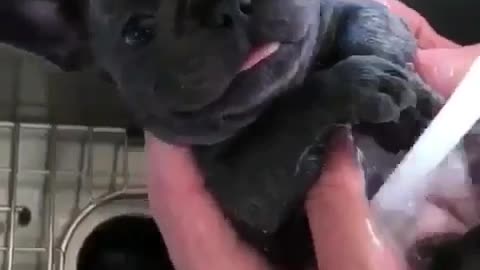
(48, 174)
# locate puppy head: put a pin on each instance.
(197, 71)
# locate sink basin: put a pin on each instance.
(68, 170)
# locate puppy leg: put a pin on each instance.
(368, 28)
(377, 74)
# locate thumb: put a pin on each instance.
(443, 69)
(339, 215)
(195, 231)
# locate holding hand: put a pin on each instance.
(199, 237)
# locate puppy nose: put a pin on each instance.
(228, 13)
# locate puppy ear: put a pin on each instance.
(52, 29)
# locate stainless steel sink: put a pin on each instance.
(66, 162)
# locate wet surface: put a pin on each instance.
(448, 236)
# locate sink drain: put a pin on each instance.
(124, 243)
(117, 235)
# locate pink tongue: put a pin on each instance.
(258, 54)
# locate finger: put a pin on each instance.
(339, 215)
(426, 36)
(195, 231)
(436, 219)
(443, 69)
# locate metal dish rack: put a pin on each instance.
(53, 172)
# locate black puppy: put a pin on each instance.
(255, 87)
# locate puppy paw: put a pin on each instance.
(400, 135)
(379, 90)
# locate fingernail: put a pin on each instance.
(342, 143)
(443, 69)
(436, 70)
(384, 2)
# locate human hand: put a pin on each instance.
(197, 235)
(440, 62)
(444, 68)
(194, 229)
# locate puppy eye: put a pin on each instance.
(139, 30)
